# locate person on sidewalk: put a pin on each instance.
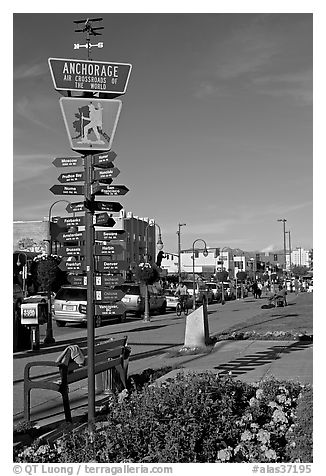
(282, 294)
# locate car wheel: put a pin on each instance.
(123, 317)
(163, 308)
(98, 321)
(60, 323)
(138, 314)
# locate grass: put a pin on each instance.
(281, 322)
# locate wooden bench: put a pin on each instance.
(112, 354)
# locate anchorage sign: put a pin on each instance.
(82, 75)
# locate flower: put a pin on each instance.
(223, 455)
(259, 393)
(270, 454)
(279, 416)
(263, 436)
(246, 435)
(252, 402)
(281, 398)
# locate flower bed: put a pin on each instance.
(194, 418)
(264, 335)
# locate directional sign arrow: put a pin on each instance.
(103, 264)
(68, 161)
(75, 207)
(73, 266)
(108, 295)
(103, 219)
(106, 174)
(78, 236)
(71, 251)
(67, 189)
(110, 309)
(106, 206)
(71, 221)
(104, 160)
(109, 235)
(77, 280)
(72, 177)
(107, 250)
(108, 280)
(112, 190)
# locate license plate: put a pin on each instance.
(66, 307)
(126, 299)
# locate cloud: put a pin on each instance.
(30, 71)
(28, 110)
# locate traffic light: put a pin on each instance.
(217, 252)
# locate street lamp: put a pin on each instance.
(159, 246)
(284, 239)
(205, 253)
(24, 272)
(179, 251)
(50, 210)
(290, 248)
(222, 285)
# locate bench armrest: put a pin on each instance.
(44, 363)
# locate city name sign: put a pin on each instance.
(100, 250)
(77, 236)
(110, 309)
(104, 264)
(68, 161)
(104, 159)
(78, 267)
(90, 123)
(108, 295)
(92, 76)
(109, 235)
(71, 221)
(108, 280)
(67, 189)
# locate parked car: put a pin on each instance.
(229, 292)
(216, 291)
(172, 300)
(201, 291)
(68, 304)
(134, 298)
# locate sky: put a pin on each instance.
(216, 126)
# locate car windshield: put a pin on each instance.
(72, 294)
(129, 288)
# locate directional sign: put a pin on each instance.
(71, 221)
(71, 251)
(78, 267)
(103, 264)
(75, 207)
(112, 190)
(78, 236)
(107, 250)
(77, 280)
(104, 159)
(103, 219)
(67, 189)
(108, 280)
(68, 161)
(106, 174)
(93, 76)
(106, 206)
(82, 308)
(72, 177)
(110, 309)
(109, 235)
(108, 295)
(90, 123)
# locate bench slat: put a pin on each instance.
(81, 373)
(110, 345)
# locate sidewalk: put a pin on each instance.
(248, 360)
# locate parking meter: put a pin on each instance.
(33, 315)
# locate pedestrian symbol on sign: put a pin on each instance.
(90, 123)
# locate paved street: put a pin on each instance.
(152, 343)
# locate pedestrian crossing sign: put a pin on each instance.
(90, 122)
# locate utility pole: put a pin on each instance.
(284, 239)
(290, 248)
(179, 250)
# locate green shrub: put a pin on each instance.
(194, 418)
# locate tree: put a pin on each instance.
(241, 275)
(300, 270)
(47, 274)
(222, 275)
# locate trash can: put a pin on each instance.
(21, 334)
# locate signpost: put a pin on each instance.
(112, 190)
(91, 76)
(72, 177)
(75, 236)
(67, 189)
(104, 159)
(90, 123)
(103, 219)
(68, 161)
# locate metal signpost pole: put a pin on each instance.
(89, 242)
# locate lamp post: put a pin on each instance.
(159, 247)
(222, 286)
(205, 253)
(284, 240)
(49, 339)
(290, 248)
(24, 272)
(179, 251)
